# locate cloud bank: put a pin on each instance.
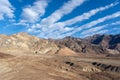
(34, 13)
(6, 9)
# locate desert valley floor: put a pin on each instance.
(55, 67)
(59, 39)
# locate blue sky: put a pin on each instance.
(60, 18)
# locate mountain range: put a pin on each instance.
(94, 45)
(26, 57)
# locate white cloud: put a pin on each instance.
(50, 28)
(94, 30)
(48, 24)
(91, 24)
(116, 23)
(33, 13)
(20, 24)
(64, 10)
(99, 32)
(54, 29)
(6, 9)
(113, 30)
(87, 15)
(80, 18)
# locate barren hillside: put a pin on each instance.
(26, 57)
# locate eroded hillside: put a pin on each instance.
(26, 57)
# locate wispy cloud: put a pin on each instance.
(91, 24)
(61, 27)
(82, 17)
(99, 32)
(98, 28)
(93, 30)
(64, 10)
(6, 9)
(33, 13)
(48, 25)
(105, 31)
(89, 14)
(116, 23)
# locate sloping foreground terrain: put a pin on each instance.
(26, 57)
(54, 67)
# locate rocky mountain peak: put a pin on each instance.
(97, 44)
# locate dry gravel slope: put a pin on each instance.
(51, 67)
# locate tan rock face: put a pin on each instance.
(66, 52)
(91, 69)
(26, 42)
(80, 46)
(99, 44)
(44, 46)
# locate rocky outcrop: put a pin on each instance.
(91, 69)
(80, 46)
(109, 42)
(65, 51)
(106, 67)
(25, 42)
(97, 44)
